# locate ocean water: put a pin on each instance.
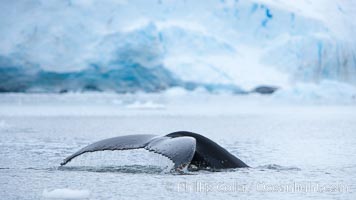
(295, 151)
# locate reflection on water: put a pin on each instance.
(134, 169)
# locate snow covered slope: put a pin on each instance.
(151, 45)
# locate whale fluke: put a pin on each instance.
(117, 143)
(183, 148)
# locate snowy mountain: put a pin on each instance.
(140, 45)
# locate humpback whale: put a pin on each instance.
(183, 148)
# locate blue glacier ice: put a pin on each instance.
(130, 46)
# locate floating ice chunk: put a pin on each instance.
(145, 105)
(325, 91)
(66, 193)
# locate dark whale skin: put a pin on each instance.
(209, 154)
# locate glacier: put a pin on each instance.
(129, 46)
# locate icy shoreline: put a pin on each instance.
(173, 102)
